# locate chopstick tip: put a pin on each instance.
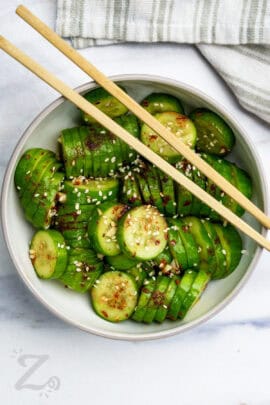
(20, 9)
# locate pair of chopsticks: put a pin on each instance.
(141, 113)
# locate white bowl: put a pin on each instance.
(75, 308)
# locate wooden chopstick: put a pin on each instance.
(140, 112)
(142, 149)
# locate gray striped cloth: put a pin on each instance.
(233, 35)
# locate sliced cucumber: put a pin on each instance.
(69, 153)
(169, 294)
(139, 274)
(154, 184)
(103, 225)
(105, 102)
(143, 187)
(243, 182)
(200, 180)
(48, 254)
(157, 299)
(214, 135)
(26, 165)
(121, 262)
(69, 214)
(189, 243)
(130, 193)
(114, 296)
(160, 102)
(176, 246)
(164, 258)
(193, 295)
(232, 246)
(90, 191)
(144, 297)
(82, 270)
(142, 233)
(180, 126)
(184, 197)
(220, 253)
(180, 294)
(167, 194)
(205, 244)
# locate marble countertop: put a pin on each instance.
(45, 361)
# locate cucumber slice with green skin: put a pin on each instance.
(225, 169)
(219, 252)
(82, 271)
(142, 233)
(130, 123)
(243, 182)
(105, 102)
(164, 258)
(231, 242)
(121, 262)
(189, 243)
(144, 189)
(70, 210)
(39, 181)
(46, 167)
(153, 181)
(184, 201)
(200, 180)
(88, 160)
(160, 102)
(180, 126)
(79, 154)
(103, 225)
(25, 166)
(180, 294)
(144, 297)
(73, 226)
(130, 193)
(205, 244)
(48, 254)
(167, 194)
(81, 254)
(78, 244)
(42, 217)
(90, 191)
(69, 151)
(114, 296)
(157, 299)
(184, 196)
(176, 246)
(161, 313)
(214, 135)
(193, 295)
(76, 216)
(139, 275)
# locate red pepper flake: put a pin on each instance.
(185, 228)
(153, 138)
(186, 203)
(145, 103)
(166, 199)
(173, 242)
(104, 313)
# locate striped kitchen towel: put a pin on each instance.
(234, 36)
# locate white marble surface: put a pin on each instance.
(224, 361)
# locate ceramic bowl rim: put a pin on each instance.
(120, 335)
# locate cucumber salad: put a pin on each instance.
(112, 225)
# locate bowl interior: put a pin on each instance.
(74, 307)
